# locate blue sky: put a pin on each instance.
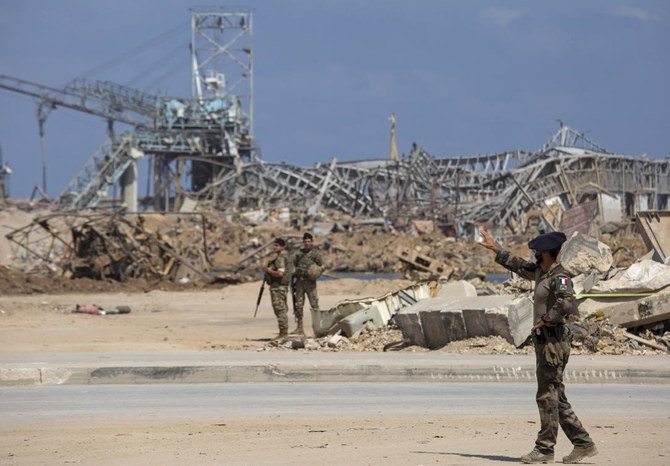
(462, 77)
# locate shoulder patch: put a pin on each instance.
(563, 284)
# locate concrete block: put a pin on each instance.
(582, 254)
(441, 327)
(410, 323)
(454, 325)
(520, 320)
(433, 329)
(457, 289)
(325, 320)
(644, 311)
(438, 321)
(476, 324)
(497, 320)
(356, 321)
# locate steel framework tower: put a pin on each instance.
(222, 57)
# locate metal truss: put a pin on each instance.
(495, 188)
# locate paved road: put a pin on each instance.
(27, 405)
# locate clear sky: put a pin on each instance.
(462, 77)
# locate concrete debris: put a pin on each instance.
(424, 262)
(436, 322)
(581, 255)
(353, 323)
(592, 335)
(630, 311)
(596, 334)
(457, 289)
(643, 276)
(358, 311)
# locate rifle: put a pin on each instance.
(293, 298)
(260, 295)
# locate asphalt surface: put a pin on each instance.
(294, 366)
(31, 404)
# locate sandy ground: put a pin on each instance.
(192, 320)
(222, 319)
(422, 440)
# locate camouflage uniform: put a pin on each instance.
(303, 285)
(279, 289)
(553, 299)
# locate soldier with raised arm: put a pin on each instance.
(553, 300)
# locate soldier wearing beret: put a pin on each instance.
(304, 283)
(278, 276)
(553, 300)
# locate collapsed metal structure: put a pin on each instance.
(202, 149)
(498, 188)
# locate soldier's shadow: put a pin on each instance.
(505, 459)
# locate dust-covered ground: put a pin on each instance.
(211, 319)
(354, 440)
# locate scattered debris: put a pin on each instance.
(97, 310)
(351, 315)
(117, 247)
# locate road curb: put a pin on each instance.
(314, 373)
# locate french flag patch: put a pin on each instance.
(564, 281)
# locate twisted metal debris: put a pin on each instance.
(496, 188)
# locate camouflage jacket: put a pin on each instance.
(303, 259)
(553, 296)
(283, 263)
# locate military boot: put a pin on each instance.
(579, 453)
(283, 335)
(536, 456)
(299, 330)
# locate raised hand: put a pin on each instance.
(489, 242)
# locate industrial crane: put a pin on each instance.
(107, 100)
(211, 131)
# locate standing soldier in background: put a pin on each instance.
(308, 265)
(553, 300)
(278, 276)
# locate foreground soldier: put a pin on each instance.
(305, 261)
(552, 302)
(278, 276)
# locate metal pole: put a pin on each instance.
(43, 159)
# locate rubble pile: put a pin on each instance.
(117, 249)
(44, 281)
(593, 335)
(369, 338)
(436, 316)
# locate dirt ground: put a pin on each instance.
(370, 440)
(218, 319)
(164, 321)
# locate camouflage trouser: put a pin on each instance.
(303, 287)
(278, 296)
(552, 350)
